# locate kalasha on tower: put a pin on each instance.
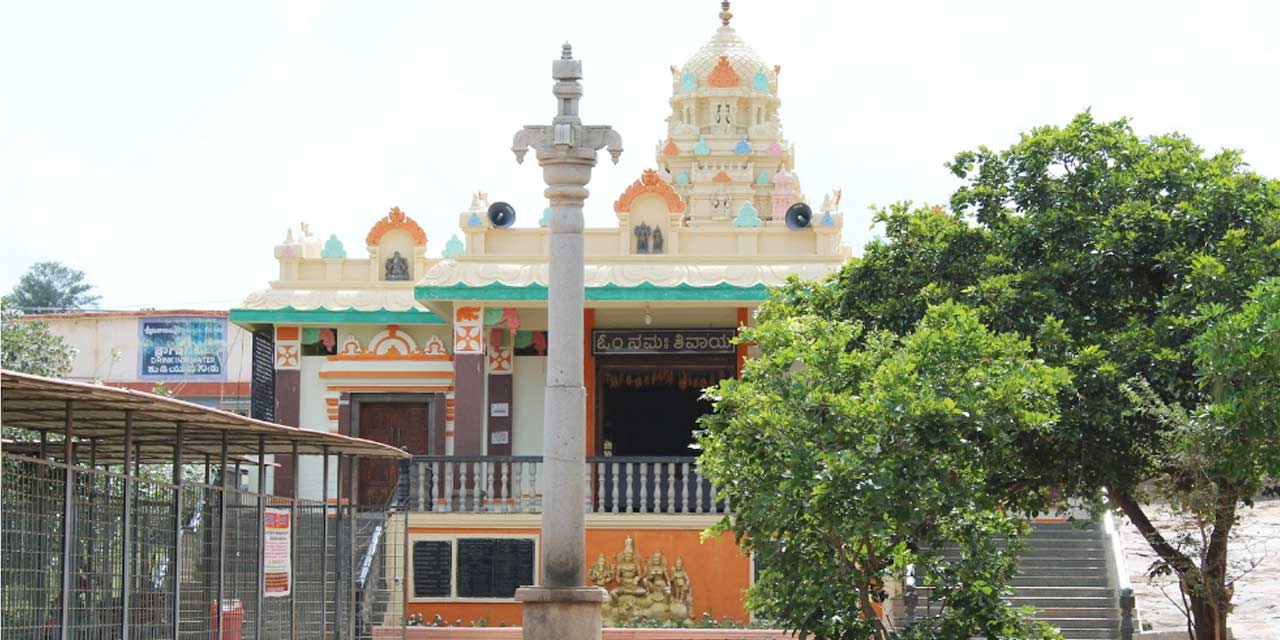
(446, 357)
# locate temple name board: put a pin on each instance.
(634, 341)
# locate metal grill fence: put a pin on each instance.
(126, 553)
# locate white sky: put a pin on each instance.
(164, 148)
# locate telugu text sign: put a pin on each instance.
(182, 348)
(632, 341)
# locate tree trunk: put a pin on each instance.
(1209, 619)
(1211, 602)
(1205, 586)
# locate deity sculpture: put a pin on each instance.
(628, 576)
(642, 233)
(681, 590)
(657, 239)
(644, 589)
(397, 267)
(601, 573)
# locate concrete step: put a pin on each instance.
(1059, 581)
(1065, 602)
(1041, 602)
(1052, 591)
(1074, 622)
(1063, 571)
(1042, 541)
(1028, 563)
(1088, 634)
(1064, 526)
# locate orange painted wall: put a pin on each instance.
(720, 573)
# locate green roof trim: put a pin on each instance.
(607, 293)
(289, 315)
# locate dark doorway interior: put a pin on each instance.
(405, 425)
(652, 421)
(650, 406)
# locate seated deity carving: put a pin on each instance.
(645, 589)
(601, 573)
(397, 268)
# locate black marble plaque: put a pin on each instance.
(494, 567)
(432, 568)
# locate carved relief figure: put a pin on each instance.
(657, 239)
(601, 573)
(656, 581)
(644, 590)
(681, 590)
(397, 267)
(719, 200)
(642, 233)
(628, 577)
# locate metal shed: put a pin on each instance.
(120, 520)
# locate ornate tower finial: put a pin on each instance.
(725, 14)
(566, 51)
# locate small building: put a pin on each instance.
(445, 357)
(195, 355)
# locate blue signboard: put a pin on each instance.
(182, 348)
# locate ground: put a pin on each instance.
(1255, 543)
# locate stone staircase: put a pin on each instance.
(1064, 574)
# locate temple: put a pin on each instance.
(445, 357)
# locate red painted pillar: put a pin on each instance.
(469, 380)
(288, 398)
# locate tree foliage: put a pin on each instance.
(845, 465)
(1107, 250)
(52, 286)
(28, 346)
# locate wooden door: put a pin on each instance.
(405, 425)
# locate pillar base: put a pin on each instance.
(564, 613)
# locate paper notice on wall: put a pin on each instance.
(499, 410)
(277, 566)
(500, 437)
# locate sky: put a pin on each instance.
(164, 148)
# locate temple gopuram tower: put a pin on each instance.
(724, 141)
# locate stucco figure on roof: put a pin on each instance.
(649, 182)
(396, 220)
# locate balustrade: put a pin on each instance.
(509, 484)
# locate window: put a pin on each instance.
(473, 567)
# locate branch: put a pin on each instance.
(1176, 559)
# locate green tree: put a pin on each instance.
(1227, 446)
(52, 286)
(28, 346)
(844, 466)
(1103, 248)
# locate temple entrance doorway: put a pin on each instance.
(405, 421)
(649, 405)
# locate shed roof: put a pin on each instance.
(98, 413)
